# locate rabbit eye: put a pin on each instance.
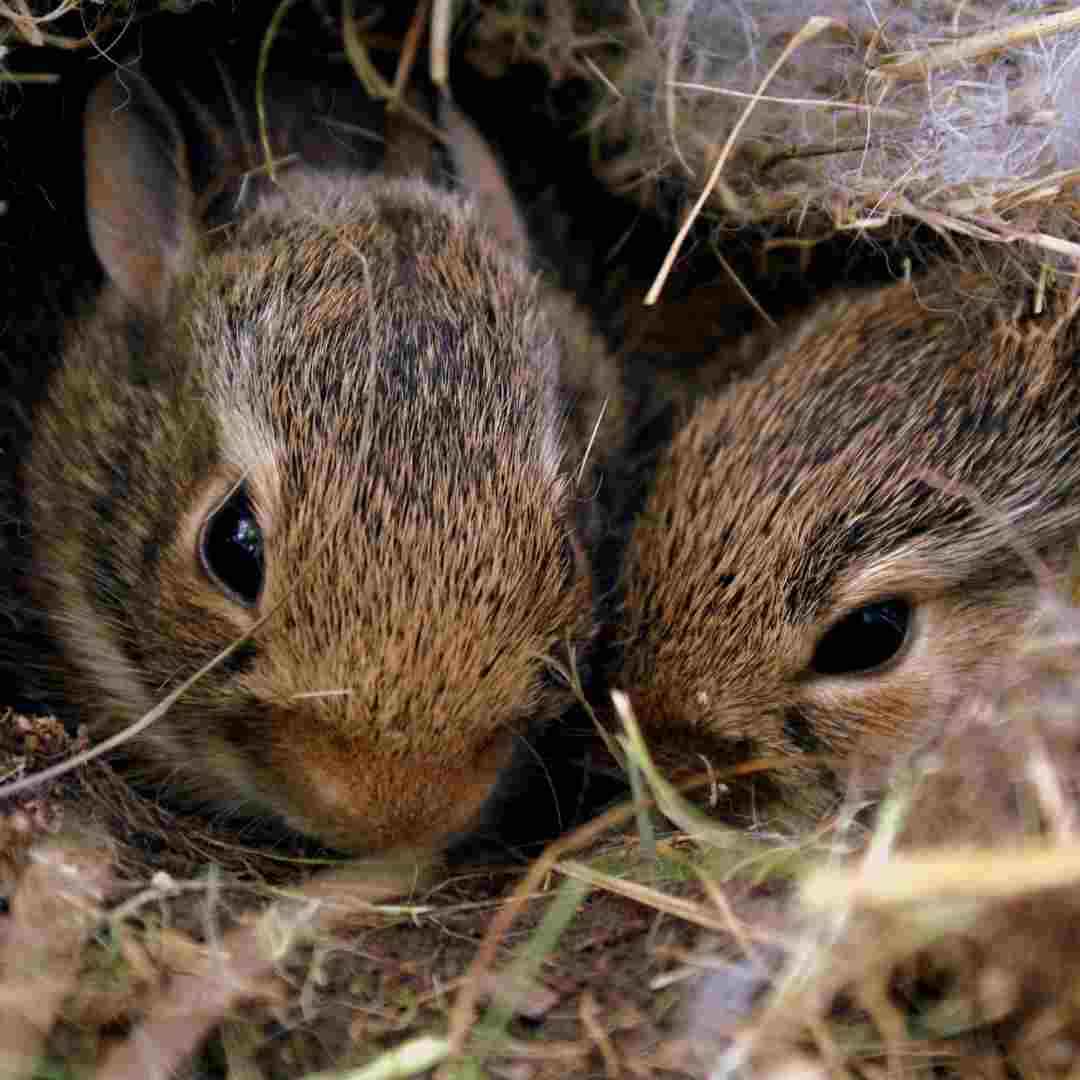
(864, 639)
(231, 548)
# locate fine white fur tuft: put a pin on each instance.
(965, 116)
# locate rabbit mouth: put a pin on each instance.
(734, 773)
(360, 798)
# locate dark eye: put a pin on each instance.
(863, 639)
(231, 548)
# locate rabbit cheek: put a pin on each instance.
(873, 718)
(356, 796)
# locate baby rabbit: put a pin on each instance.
(347, 427)
(838, 546)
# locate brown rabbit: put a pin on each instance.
(349, 426)
(840, 545)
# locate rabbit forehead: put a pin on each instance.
(356, 330)
(786, 541)
(429, 497)
(398, 446)
(854, 444)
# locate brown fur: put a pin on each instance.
(390, 385)
(843, 472)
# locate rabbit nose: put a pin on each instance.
(364, 798)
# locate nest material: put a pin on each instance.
(962, 115)
(950, 943)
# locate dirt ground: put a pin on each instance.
(583, 981)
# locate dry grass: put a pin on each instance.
(947, 941)
(941, 937)
(834, 117)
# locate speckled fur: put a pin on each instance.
(893, 444)
(388, 383)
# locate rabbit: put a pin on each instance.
(348, 427)
(838, 546)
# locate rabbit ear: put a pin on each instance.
(140, 206)
(480, 175)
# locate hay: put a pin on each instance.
(949, 942)
(963, 116)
